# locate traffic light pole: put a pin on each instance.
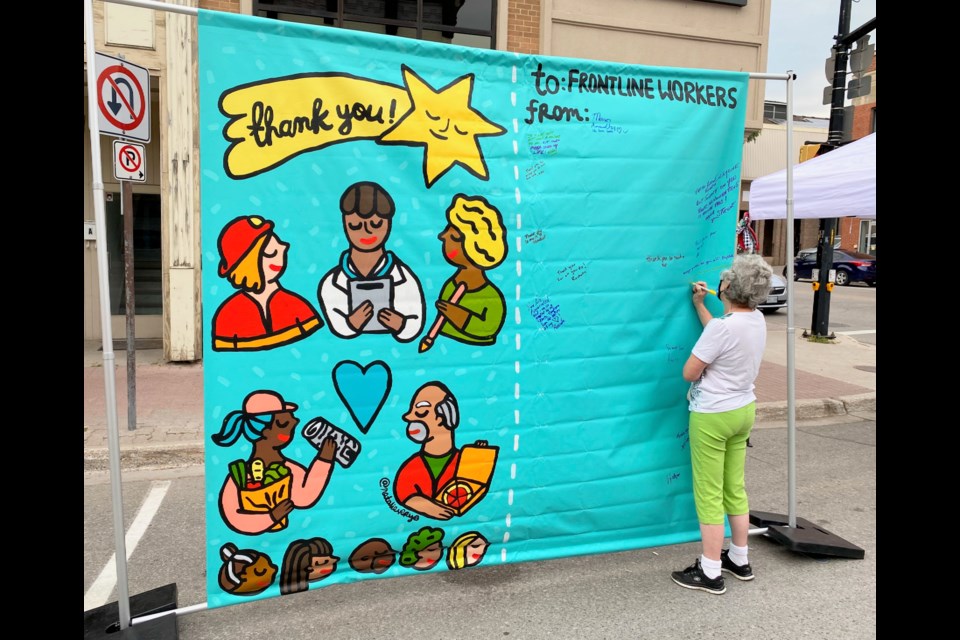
(820, 323)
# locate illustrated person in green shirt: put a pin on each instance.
(472, 309)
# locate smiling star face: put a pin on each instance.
(444, 123)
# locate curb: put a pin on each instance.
(152, 456)
(814, 409)
(172, 455)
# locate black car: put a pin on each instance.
(849, 266)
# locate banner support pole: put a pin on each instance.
(791, 330)
(102, 622)
(799, 535)
(113, 438)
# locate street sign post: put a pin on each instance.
(123, 98)
(129, 161)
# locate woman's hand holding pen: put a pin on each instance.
(700, 292)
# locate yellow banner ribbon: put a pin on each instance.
(275, 120)
(272, 121)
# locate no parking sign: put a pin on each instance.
(128, 161)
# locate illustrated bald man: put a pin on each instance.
(431, 421)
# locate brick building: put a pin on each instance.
(710, 34)
(857, 234)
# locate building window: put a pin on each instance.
(868, 237)
(774, 111)
(470, 23)
(873, 120)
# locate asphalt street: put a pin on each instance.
(610, 596)
(852, 311)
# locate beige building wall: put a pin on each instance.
(165, 44)
(768, 152)
(765, 155)
(136, 35)
(674, 33)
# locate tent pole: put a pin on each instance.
(791, 330)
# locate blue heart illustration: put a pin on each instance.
(363, 390)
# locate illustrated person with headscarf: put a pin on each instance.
(260, 492)
(371, 290)
(261, 314)
(472, 309)
(245, 572)
(306, 561)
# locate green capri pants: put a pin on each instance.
(718, 451)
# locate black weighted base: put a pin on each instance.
(806, 537)
(104, 622)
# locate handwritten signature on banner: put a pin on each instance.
(699, 244)
(664, 260)
(275, 120)
(545, 143)
(712, 200)
(572, 271)
(547, 314)
(602, 124)
(536, 169)
(534, 236)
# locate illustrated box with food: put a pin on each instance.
(471, 478)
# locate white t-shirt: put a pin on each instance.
(732, 346)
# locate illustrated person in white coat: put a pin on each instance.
(371, 290)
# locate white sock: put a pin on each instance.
(738, 555)
(711, 568)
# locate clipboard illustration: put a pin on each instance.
(379, 292)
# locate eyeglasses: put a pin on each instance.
(720, 284)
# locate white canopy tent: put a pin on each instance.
(842, 183)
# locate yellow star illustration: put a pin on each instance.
(445, 124)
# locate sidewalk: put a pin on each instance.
(833, 379)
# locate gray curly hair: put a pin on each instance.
(748, 280)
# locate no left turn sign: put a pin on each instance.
(128, 161)
(123, 98)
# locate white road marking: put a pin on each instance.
(102, 587)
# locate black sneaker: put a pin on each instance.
(739, 572)
(693, 577)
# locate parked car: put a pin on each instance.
(777, 298)
(849, 265)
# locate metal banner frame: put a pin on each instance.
(768, 522)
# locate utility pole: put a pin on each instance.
(828, 226)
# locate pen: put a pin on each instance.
(427, 342)
(710, 291)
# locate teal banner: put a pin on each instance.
(446, 298)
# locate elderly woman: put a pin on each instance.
(474, 241)
(722, 369)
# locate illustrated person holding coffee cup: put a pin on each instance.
(260, 492)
